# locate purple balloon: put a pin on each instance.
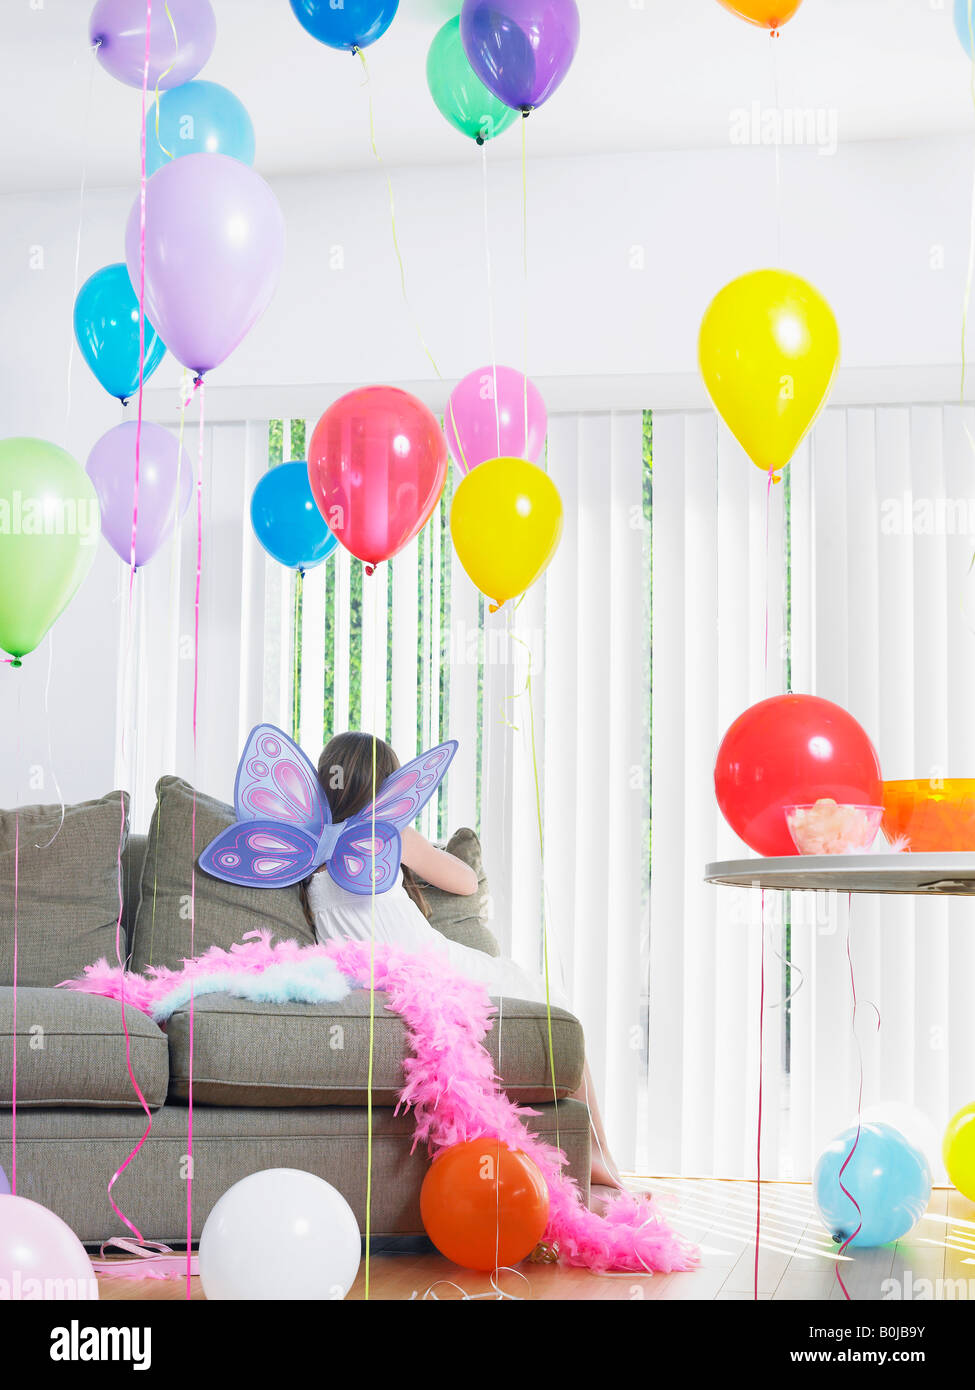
(520, 49)
(165, 486)
(118, 27)
(214, 250)
(4, 1184)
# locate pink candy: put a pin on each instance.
(829, 828)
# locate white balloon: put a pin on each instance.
(280, 1234)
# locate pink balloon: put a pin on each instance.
(481, 426)
(214, 250)
(165, 486)
(41, 1257)
(118, 27)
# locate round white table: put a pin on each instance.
(851, 873)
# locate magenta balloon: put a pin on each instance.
(214, 249)
(479, 428)
(165, 487)
(118, 27)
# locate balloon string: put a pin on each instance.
(774, 50)
(142, 302)
(490, 298)
(392, 212)
(524, 249)
(372, 956)
(761, 1099)
(856, 1141)
(13, 1074)
(50, 745)
(970, 270)
(162, 77)
(77, 244)
(196, 705)
(296, 658)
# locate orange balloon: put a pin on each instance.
(484, 1206)
(767, 14)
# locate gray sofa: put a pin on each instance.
(274, 1085)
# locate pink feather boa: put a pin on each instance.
(451, 1086)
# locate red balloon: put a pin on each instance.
(790, 751)
(377, 466)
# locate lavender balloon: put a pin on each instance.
(165, 486)
(4, 1184)
(214, 249)
(520, 49)
(118, 27)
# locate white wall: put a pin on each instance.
(861, 224)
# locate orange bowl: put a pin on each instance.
(932, 817)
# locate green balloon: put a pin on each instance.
(458, 91)
(49, 529)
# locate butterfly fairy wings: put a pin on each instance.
(284, 829)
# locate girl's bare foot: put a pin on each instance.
(603, 1173)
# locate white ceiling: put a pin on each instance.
(650, 74)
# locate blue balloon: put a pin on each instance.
(286, 518)
(353, 24)
(888, 1177)
(106, 325)
(198, 118)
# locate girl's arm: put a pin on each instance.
(440, 869)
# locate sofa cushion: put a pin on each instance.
(71, 1051)
(248, 1054)
(67, 887)
(464, 919)
(223, 911)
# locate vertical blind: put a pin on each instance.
(870, 605)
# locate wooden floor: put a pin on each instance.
(798, 1260)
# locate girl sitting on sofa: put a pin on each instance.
(399, 917)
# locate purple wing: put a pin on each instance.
(261, 854)
(403, 795)
(352, 860)
(276, 782)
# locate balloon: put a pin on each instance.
(106, 325)
(959, 1151)
(767, 14)
(908, 1120)
(790, 751)
(280, 1234)
(484, 1206)
(40, 1256)
(4, 1184)
(49, 527)
(214, 248)
(520, 49)
(888, 1178)
(118, 27)
(506, 524)
(482, 425)
(286, 518)
(198, 118)
(377, 466)
(965, 25)
(165, 486)
(459, 93)
(352, 24)
(768, 351)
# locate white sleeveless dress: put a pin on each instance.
(343, 916)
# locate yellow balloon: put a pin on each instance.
(506, 523)
(959, 1151)
(768, 352)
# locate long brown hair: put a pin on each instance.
(345, 773)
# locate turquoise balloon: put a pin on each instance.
(888, 1177)
(965, 24)
(286, 518)
(198, 118)
(106, 325)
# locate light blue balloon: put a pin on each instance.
(198, 118)
(106, 325)
(286, 518)
(888, 1177)
(964, 25)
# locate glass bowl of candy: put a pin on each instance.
(830, 827)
